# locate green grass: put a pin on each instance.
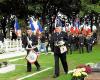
(48, 61)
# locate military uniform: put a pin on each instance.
(34, 41)
(94, 37)
(55, 47)
(81, 43)
(76, 39)
(89, 43)
(70, 43)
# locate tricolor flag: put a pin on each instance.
(31, 24)
(88, 29)
(72, 30)
(58, 21)
(39, 26)
(77, 23)
(16, 25)
(35, 25)
(76, 30)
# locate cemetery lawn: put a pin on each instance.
(47, 61)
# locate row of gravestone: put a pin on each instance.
(9, 45)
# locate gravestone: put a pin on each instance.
(95, 66)
(7, 68)
(93, 76)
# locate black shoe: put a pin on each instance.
(28, 70)
(55, 76)
(38, 69)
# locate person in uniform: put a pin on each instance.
(58, 46)
(1, 36)
(89, 42)
(81, 43)
(70, 43)
(34, 41)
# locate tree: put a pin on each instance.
(94, 1)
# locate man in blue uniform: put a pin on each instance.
(58, 46)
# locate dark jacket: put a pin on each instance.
(81, 40)
(42, 39)
(56, 38)
(32, 38)
(1, 37)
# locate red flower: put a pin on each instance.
(88, 69)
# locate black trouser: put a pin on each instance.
(29, 66)
(70, 48)
(47, 47)
(89, 48)
(81, 50)
(63, 61)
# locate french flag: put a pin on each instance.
(40, 26)
(31, 25)
(58, 22)
(35, 25)
(16, 25)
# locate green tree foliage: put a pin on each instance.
(23, 7)
(88, 6)
(35, 8)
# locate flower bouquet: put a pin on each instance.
(88, 68)
(79, 74)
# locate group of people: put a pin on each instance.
(66, 38)
(31, 42)
(60, 43)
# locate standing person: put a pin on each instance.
(81, 43)
(58, 46)
(1, 36)
(47, 41)
(42, 44)
(89, 42)
(33, 40)
(70, 43)
(14, 36)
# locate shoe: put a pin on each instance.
(38, 69)
(28, 70)
(55, 76)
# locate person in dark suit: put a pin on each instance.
(1, 36)
(70, 43)
(89, 42)
(81, 43)
(14, 36)
(34, 42)
(58, 46)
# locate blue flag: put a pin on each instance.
(16, 25)
(32, 25)
(40, 27)
(58, 22)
